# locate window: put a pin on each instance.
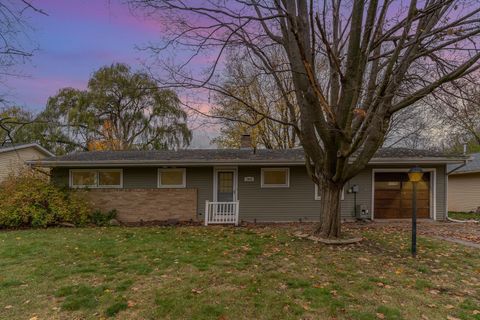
(171, 178)
(275, 178)
(318, 195)
(84, 179)
(109, 178)
(96, 178)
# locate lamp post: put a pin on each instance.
(415, 175)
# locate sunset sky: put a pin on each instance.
(76, 38)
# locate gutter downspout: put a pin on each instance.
(460, 166)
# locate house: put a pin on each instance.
(464, 186)
(234, 185)
(13, 157)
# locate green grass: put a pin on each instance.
(231, 273)
(464, 215)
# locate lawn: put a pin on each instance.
(464, 215)
(231, 273)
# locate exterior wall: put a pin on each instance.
(297, 201)
(464, 192)
(198, 178)
(12, 162)
(270, 204)
(277, 204)
(134, 205)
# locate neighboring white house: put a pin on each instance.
(13, 157)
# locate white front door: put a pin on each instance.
(225, 185)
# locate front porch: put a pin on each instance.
(221, 212)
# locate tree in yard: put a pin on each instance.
(120, 110)
(352, 65)
(15, 49)
(242, 78)
(14, 125)
(458, 108)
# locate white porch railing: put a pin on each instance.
(221, 212)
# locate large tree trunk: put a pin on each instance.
(329, 226)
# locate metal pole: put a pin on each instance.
(414, 220)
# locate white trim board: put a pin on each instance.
(433, 188)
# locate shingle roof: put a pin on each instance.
(233, 156)
(470, 167)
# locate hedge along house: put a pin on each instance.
(232, 185)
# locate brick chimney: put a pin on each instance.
(245, 141)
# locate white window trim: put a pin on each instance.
(263, 185)
(171, 186)
(317, 197)
(96, 185)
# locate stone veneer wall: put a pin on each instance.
(135, 205)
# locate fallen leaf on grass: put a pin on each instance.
(475, 312)
(197, 291)
(9, 307)
(131, 303)
(449, 306)
(380, 315)
(452, 318)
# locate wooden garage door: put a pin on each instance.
(393, 196)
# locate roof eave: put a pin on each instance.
(147, 163)
(29, 145)
(465, 172)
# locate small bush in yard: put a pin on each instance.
(30, 200)
(102, 219)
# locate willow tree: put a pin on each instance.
(121, 109)
(353, 64)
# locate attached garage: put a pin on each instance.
(393, 194)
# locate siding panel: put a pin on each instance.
(12, 162)
(201, 178)
(464, 192)
(277, 204)
(134, 178)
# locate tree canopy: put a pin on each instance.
(119, 110)
(352, 66)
